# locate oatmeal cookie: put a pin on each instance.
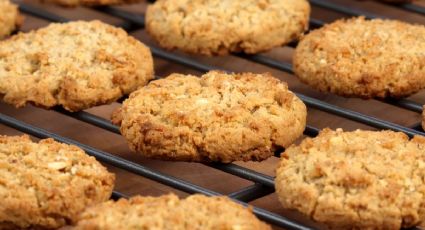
(46, 185)
(363, 58)
(217, 27)
(76, 65)
(217, 117)
(356, 180)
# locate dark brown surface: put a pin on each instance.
(199, 174)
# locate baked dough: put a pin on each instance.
(46, 185)
(76, 65)
(363, 58)
(356, 180)
(217, 117)
(217, 27)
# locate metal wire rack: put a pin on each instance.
(262, 184)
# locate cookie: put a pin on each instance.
(76, 65)
(217, 117)
(363, 58)
(10, 19)
(46, 185)
(74, 3)
(217, 27)
(169, 212)
(356, 180)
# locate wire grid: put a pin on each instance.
(263, 184)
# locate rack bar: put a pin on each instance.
(251, 193)
(137, 19)
(342, 9)
(311, 131)
(267, 61)
(411, 7)
(117, 195)
(40, 13)
(91, 119)
(356, 116)
(245, 173)
(405, 104)
(182, 60)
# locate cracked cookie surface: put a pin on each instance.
(363, 58)
(76, 65)
(9, 18)
(355, 180)
(74, 3)
(217, 27)
(217, 117)
(170, 212)
(46, 185)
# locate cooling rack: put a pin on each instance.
(262, 184)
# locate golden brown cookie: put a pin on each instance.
(74, 3)
(46, 185)
(217, 27)
(363, 58)
(76, 65)
(9, 18)
(169, 212)
(218, 117)
(356, 180)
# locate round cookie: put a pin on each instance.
(356, 180)
(217, 27)
(9, 18)
(363, 58)
(74, 3)
(76, 65)
(218, 117)
(46, 185)
(169, 212)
